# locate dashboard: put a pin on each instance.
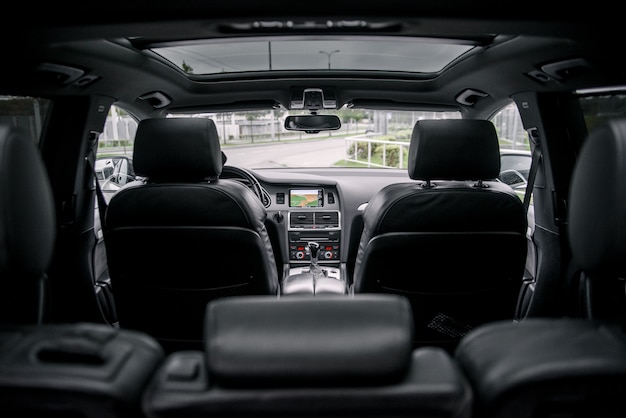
(322, 205)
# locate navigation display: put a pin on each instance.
(312, 198)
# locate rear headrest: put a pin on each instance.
(597, 201)
(28, 224)
(329, 340)
(454, 149)
(177, 149)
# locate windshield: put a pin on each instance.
(257, 139)
(367, 138)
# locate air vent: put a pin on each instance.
(314, 220)
(301, 219)
(327, 219)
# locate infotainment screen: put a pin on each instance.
(312, 198)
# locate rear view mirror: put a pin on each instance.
(312, 124)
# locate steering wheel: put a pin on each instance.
(248, 179)
(512, 177)
(115, 181)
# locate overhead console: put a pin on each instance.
(313, 99)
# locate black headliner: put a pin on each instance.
(93, 40)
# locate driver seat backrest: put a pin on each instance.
(453, 242)
(183, 237)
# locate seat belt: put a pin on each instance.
(102, 203)
(525, 293)
(104, 292)
(534, 165)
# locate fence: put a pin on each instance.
(352, 152)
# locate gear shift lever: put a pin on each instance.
(314, 269)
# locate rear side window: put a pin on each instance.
(28, 113)
(515, 156)
(511, 132)
(599, 107)
(114, 164)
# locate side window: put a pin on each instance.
(114, 164)
(598, 107)
(515, 155)
(28, 113)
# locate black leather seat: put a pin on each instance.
(453, 242)
(574, 367)
(27, 232)
(183, 237)
(54, 370)
(309, 356)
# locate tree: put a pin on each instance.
(251, 116)
(352, 114)
(187, 68)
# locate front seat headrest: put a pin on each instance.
(177, 149)
(454, 149)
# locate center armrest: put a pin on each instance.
(256, 340)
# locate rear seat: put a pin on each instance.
(309, 356)
(567, 367)
(54, 370)
(74, 370)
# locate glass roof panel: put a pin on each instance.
(397, 54)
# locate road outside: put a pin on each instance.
(306, 153)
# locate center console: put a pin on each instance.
(314, 278)
(314, 239)
(322, 227)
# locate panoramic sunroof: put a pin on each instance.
(371, 54)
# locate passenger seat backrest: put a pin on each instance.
(454, 241)
(566, 366)
(54, 370)
(184, 237)
(330, 356)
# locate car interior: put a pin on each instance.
(239, 209)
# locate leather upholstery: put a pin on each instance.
(567, 366)
(180, 149)
(306, 356)
(453, 245)
(254, 341)
(27, 228)
(183, 237)
(597, 231)
(79, 369)
(75, 370)
(546, 367)
(596, 212)
(464, 150)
